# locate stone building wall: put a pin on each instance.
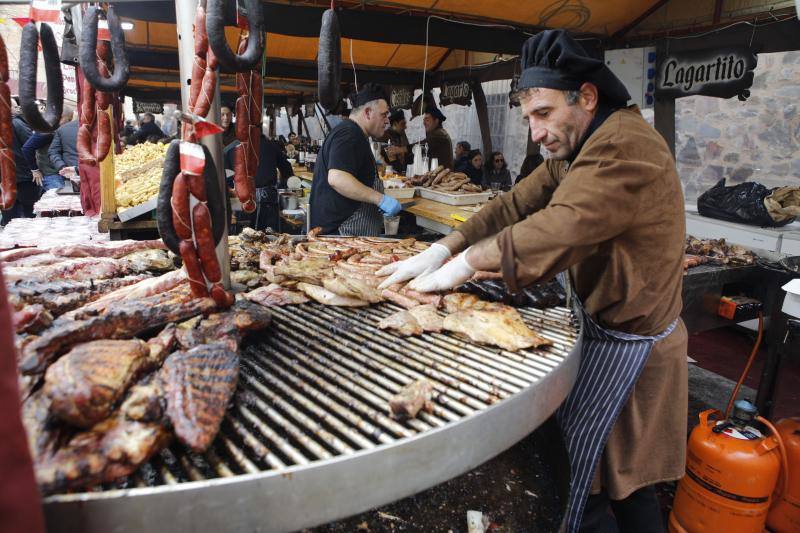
(757, 140)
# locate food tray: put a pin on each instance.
(454, 198)
(138, 210)
(401, 194)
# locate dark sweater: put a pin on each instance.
(63, 150)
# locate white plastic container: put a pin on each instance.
(791, 304)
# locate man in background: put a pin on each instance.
(397, 153)
(63, 151)
(36, 149)
(439, 144)
(463, 149)
(148, 128)
(28, 192)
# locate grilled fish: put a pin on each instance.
(199, 384)
(85, 384)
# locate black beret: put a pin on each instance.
(435, 113)
(368, 93)
(552, 59)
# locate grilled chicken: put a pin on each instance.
(427, 317)
(307, 270)
(326, 297)
(121, 322)
(227, 327)
(411, 398)
(498, 325)
(461, 301)
(113, 448)
(199, 384)
(85, 384)
(274, 294)
(352, 288)
(403, 322)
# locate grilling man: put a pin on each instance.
(346, 194)
(607, 208)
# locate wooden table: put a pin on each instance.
(436, 216)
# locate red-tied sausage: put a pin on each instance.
(240, 160)
(206, 93)
(180, 207)
(8, 183)
(243, 82)
(198, 70)
(193, 270)
(6, 129)
(200, 35)
(221, 297)
(197, 186)
(84, 146)
(104, 137)
(243, 183)
(242, 119)
(256, 96)
(87, 104)
(3, 61)
(204, 240)
(252, 150)
(102, 100)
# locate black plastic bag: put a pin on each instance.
(742, 203)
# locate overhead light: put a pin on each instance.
(127, 26)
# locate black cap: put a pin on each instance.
(552, 59)
(368, 93)
(435, 113)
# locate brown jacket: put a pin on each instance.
(615, 219)
(441, 147)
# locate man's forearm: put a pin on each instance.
(348, 186)
(455, 242)
(485, 255)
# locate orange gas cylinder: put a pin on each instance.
(784, 517)
(731, 473)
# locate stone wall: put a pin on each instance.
(757, 140)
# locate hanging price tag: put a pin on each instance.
(202, 127)
(46, 11)
(102, 30)
(193, 160)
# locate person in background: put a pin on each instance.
(496, 174)
(474, 167)
(148, 128)
(531, 162)
(272, 172)
(28, 192)
(347, 194)
(462, 156)
(226, 122)
(397, 154)
(128, 129)
(63, 151)
(439, 144)
(45, 174)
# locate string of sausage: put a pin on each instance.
(194, 226)
(248, 132)
(8, 178)
(95, 134)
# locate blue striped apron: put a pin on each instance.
(611, 362)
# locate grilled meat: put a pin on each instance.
(85, 384)
(403, 322)
(121, 322)
(248, 278)
(161, 345)
(400, 299)
(113, 448)
(307, 270)
(74, 269)
(326, 297)
(32, 319)
(228, 327)
(199, 384)
(498, 325)
(40, 260)
(427, 317)
(62, 296)
(411, 398)
(274, 294)
(114, 250)
(142, 289)
(461, 301)
(43, 430)
(151, 261)
(352, 288)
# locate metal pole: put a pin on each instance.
(184, 17)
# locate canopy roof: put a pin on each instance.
(388, 38)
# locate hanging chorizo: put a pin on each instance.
(84, 145)
(200, 36)
(180, 207)
(194, 271)
(204, 241)
(242, 119)
(198, 70)
(28, 64)
(104, 135)
(215, 27)
(88, 51)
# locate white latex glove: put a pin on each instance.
(453, 274)
(37, 177)
(427, 261)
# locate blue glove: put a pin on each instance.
(390, 206)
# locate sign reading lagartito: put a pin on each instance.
(722, 73)
(456, 93)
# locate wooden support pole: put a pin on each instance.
(664, 110)
(108, 199)
(483, 117)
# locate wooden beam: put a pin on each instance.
(108, 199)
(625, 30)
(443, 59)
(664, 118)
(483, 117)
(717, 11)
